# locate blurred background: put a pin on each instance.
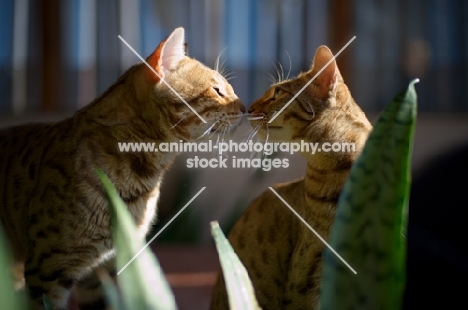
(57, 56)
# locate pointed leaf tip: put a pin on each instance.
(379, 251)
(415, 81)
(240, 290)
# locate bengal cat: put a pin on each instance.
(53, 206)
(282, 256)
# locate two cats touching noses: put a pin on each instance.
(54, 208)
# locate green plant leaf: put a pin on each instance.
(369, 226)
(239, 288)
(46, 302)
(142, 283)
(111, 292)
(9, 298)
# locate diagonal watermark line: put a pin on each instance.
(159, 232)
(311, 80)
(163, 80)
(313, 230)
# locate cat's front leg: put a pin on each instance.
(88, 291)
(50, 280)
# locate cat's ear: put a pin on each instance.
(328, 78)
(167, 55)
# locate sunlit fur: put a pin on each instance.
(54, 208)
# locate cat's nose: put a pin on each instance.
(251, 109)
(242, 108)
(240, 105)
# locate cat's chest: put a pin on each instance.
(316, 213)
(143, 210)
(94, 209)
(144, 213)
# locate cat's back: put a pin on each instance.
(24, 149)
(18, 143)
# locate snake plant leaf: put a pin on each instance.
(239, 288)
(46, 302)
(9, 298)
(111, 292)
(370, 224)
(142, 283)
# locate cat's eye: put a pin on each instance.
(275, 94)
(218, 92)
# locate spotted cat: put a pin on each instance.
(282, 256)
(53, 206)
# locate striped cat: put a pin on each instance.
(282, 256)
(53, 206)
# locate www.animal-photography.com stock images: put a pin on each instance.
(233, 154)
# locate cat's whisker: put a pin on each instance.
(272, 78)
(266, 139)
(235, 120)
(281, 78)
(255, 131)
(228, 134)
(237, 116)
(216, 148)
(207, 131)
(278, 75)
(253, 155)
(225, 73)
(253, 118)
(311, 109)
(217, 138)
(313, 114)
(254, 114)
(220, 67)
(229, 76)
(223, 70)
(216, 65)
(217, 132)
(267, 135)
(223, 133)
(220, 134)
(290, 65)
(240, 116)
(178, 122)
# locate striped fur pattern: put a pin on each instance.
(282, 256)
(52, 204)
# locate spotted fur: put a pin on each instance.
(52, 204)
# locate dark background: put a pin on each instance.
(56, 56)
